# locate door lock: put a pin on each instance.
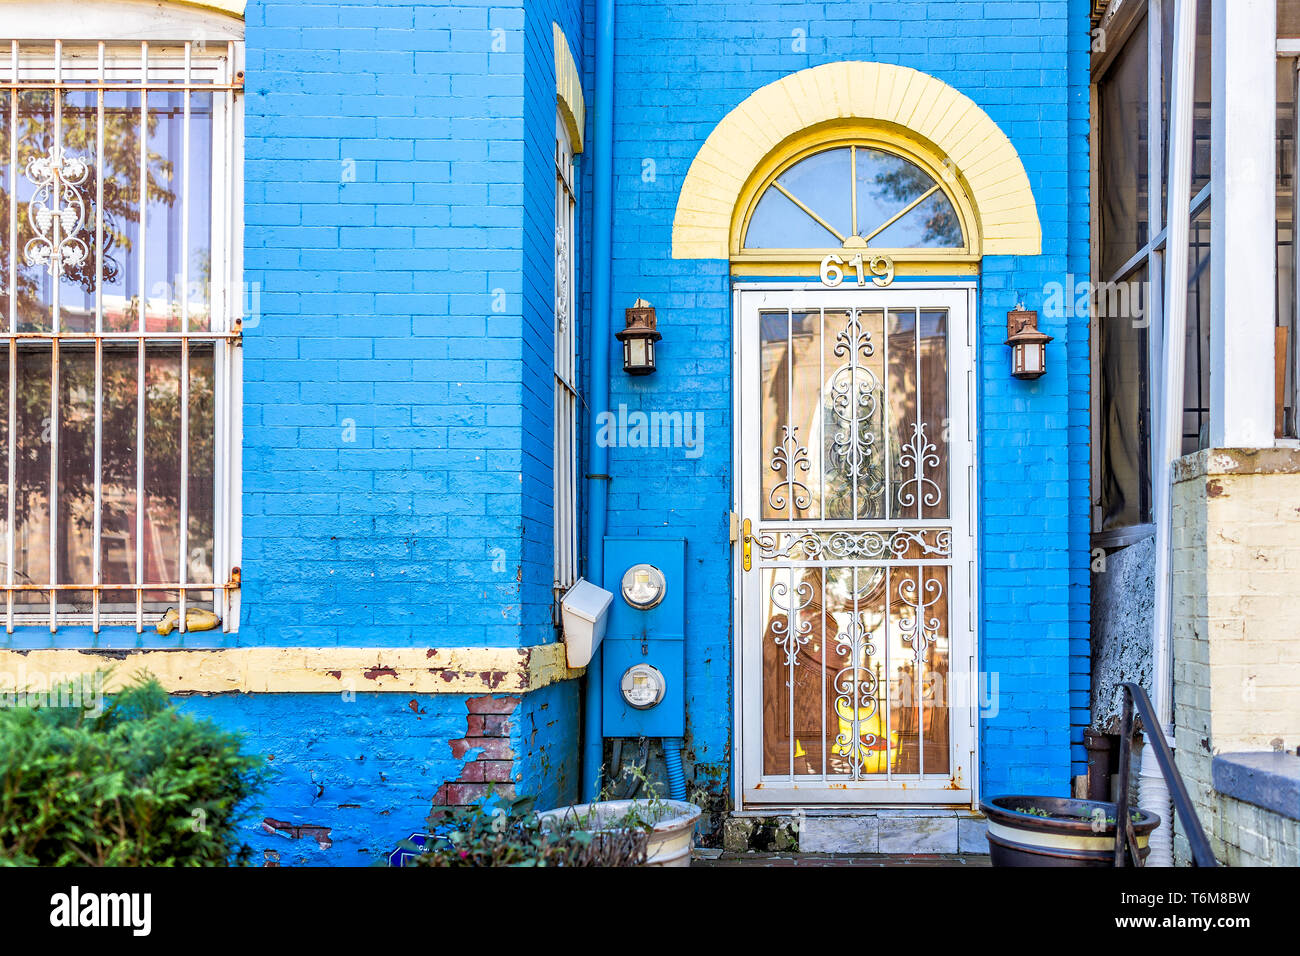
(747, 541)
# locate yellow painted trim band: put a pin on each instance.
(894, 100)
(568, 89)
(233, 7)
(1056, 841)
(302, 670)
(811, 270)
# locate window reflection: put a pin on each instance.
(812, 205)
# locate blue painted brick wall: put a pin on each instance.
(385, 379)
(364, 770)
(680, 69)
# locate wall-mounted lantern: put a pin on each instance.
(639, 339)
(1028, 345)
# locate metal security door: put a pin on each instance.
(856, 477)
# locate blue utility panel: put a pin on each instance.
(656, 637)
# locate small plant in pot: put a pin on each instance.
(668, 825)
(501, 831)
(1056, 831)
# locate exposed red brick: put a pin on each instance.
(487, 731)
(496, 771)
(297, 831)
(492, 705)
(495, 725)
(462, 794)
(494, 748)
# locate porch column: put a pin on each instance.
(1243, 250)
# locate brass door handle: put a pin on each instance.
(747, 542)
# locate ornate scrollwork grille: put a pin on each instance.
(57, 211)
(854, 542)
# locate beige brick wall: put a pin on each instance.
(1236, 628)
(1252, 836)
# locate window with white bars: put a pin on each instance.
(566, 370)
(119, 332)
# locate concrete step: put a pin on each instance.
(872, 831)
(722, 858)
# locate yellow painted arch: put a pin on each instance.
(233, 7)
(895, 99)
(568, 89)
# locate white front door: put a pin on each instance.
(855, 475)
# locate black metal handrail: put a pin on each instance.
(1126, 847)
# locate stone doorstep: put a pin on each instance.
(883, 831)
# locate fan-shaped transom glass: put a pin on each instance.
(854, 197)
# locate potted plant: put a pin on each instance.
(501, 831)
(1056, 831)
(668, 825)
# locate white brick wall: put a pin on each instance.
(1248, 835)
(1236, 629)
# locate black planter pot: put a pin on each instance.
(1074, 832)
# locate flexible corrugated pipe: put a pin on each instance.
(676, 775)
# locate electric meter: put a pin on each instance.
(643, 586)
(643, 686)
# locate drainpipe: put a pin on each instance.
(602, 227)
(1153, 792)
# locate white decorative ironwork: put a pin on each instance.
(917, 455)
(56, 211)
(790, 633)
(919, 631)
(563, 266)
(854, 391)
(884, 544)
(787, 458)
(855, 690)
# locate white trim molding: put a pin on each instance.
(110, 20)
(1243, 250)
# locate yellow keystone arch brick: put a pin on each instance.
(895, 97)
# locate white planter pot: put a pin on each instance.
(671, 838)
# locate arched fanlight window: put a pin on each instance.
(854, 197)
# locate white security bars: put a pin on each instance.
(565, 475)
(118, 214)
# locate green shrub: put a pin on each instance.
(503, 832)
(138, 784)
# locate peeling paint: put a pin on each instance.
(296, 831)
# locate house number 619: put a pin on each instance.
(880, 268)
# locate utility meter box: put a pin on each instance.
(644, 673)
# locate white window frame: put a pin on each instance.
(137, 46)
(565, 470)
